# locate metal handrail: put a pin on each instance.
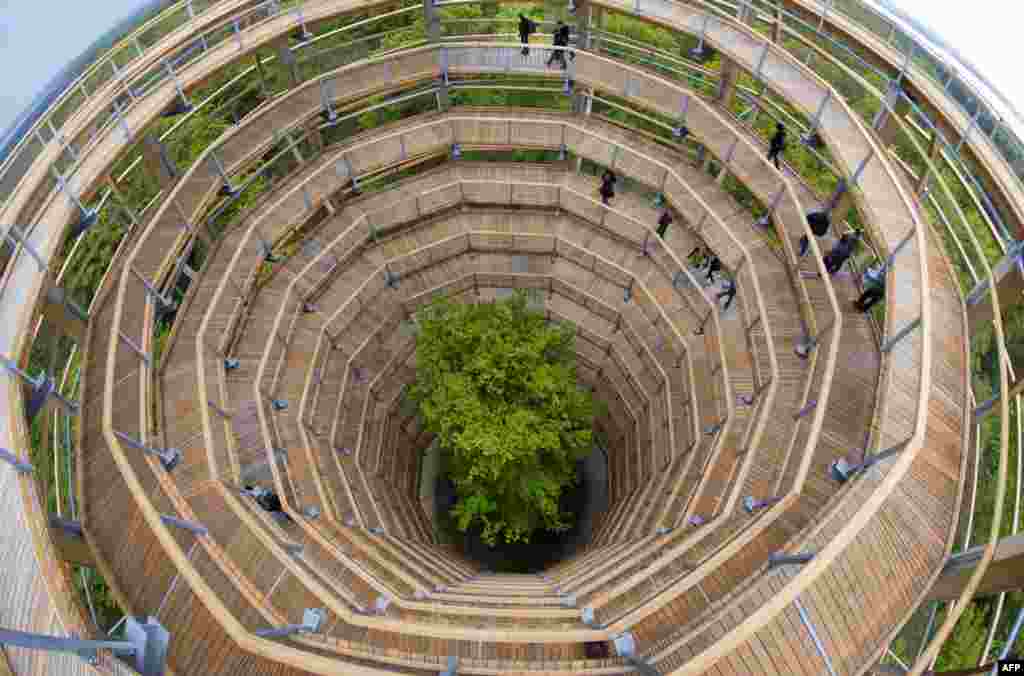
(108, 57)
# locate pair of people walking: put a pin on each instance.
(560, 38)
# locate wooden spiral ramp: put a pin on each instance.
(728, 546)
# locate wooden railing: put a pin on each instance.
(922, 364)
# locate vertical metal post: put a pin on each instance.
(326, 96)
(814, 636)
(760, 64)
(15, 236)
(842, 471)
(751, 504)
(219, 168)
(301, 19)
(121, 122)
(970, 128)
(900, 335)
(906, 61)
(177, 85)
(781, 559)
(682, 131)
(195, 528)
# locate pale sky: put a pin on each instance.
(37, 37)
(985, 32)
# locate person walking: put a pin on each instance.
(526, 29)
(874, 288)
(728, 292)
(842, 251)
(560, 38)
(664, 221)
(607, 190)
(566, 33)
(777, 144)
(714, 265)
(819, 223)
(266, 499)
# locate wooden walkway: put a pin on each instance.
(505, 180)
(244, 571)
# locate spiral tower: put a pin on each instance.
(794, 486)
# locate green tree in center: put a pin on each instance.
(497, 385)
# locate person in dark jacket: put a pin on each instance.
(664, 221)
(777, 144)
(608, 181)
(819, 222)
(714, 265)
(565, 41)
(526, 29)
(842, 251)
(560, 38)
(266, 499)
(874, 288)
(728, 292)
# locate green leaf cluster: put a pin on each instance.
(497, 385)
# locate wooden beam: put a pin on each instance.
(1006, 572)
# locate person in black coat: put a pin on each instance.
(714, 265)
(728, 292)
(777, 144)
(526, 29)
(266, 499)
(607, 190)
(874, 289)
(559, 39)
(819, 222)
(842, 251)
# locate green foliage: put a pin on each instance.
(108, 612)
(497, 385)
(965, 644)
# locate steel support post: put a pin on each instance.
(157, 162)
(900, 335)
(286, 57)
(841, 470)
(701, 53)
(169, 457)
(811, 137)
(14, 461)
(751, 504)
(43, 391)
(782, 559)
(806, 620)
(312, 620)
(16, 236)
(146, 643)
(185, 104)
(88, 217)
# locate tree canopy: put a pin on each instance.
(497, 385)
